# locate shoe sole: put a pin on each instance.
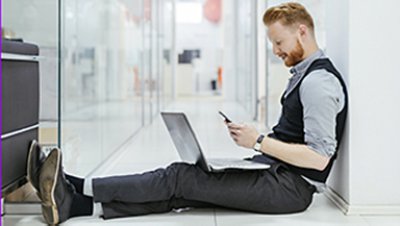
(29, 176)
(49, 205)
(28, 169)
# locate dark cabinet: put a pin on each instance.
(20, 109)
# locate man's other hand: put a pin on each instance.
(244, 135)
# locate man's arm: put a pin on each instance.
(295, 154)
(322, 98)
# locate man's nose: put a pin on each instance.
(275, 50)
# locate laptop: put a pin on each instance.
(189, 149)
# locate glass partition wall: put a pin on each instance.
(100, 107)
(111, 59)
(246, 73)
(105, 72)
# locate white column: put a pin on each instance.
(363, 41)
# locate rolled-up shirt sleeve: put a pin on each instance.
(322, 97)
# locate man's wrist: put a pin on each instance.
(257, 145)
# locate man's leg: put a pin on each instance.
(123, 209)
(275, 190)
(83, 203)
(76, 181)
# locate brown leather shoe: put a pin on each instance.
(35, 161)
(56, 191)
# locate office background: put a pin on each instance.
(108, 68)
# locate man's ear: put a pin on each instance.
(303, 29)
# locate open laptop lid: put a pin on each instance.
(184, 138)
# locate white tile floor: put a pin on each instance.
(152, 148)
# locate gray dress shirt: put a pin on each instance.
(322, 97)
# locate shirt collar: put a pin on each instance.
(301, 67)
(299, 70)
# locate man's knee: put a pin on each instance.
(285, 206)
(181, 170)
(296, 206)
(178, 166)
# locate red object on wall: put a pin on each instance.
(219, 78)
(147, 10)
(212, 10)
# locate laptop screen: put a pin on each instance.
(183, 137)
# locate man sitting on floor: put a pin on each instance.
(302, 148)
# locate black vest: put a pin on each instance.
(290, 127)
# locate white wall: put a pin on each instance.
(365, 49)
(337, 47)
(375, 92)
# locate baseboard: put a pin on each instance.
(351, 210)
(22, 208)
(337, 200)
(2, 207)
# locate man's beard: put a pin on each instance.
(295, 56)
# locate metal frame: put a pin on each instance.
(16, 132)
(19, 57)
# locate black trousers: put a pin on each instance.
(275, 190)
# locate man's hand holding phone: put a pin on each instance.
(244, 135)
(227, 120)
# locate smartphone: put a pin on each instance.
(225, 117)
